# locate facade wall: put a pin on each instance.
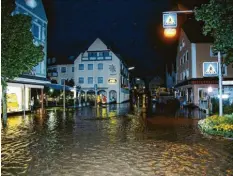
(183, 59)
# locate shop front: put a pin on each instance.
(19, 96)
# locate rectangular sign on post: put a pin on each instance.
(210, 69)
(169, 20)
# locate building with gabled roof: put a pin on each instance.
(193, 50)
(99, 70)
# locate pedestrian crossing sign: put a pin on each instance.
(210, 69)
(169, 20)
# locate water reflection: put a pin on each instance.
(104, 141)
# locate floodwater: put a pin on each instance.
(106, 142)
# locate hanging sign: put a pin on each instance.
(169, 20)
(210, 69)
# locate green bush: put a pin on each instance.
(216, 125)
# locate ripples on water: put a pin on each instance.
(105, 142)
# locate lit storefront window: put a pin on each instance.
(15, 99)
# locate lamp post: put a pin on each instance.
(170, 25)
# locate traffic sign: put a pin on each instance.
(169, 20)
(210, 69)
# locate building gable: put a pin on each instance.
(37, 10)
(98, 45)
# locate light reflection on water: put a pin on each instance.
(103, 141)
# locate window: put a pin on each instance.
(80, 80)
(183, 58)
(63, 69)
(81, 66)
(55, 69)
(100, 66)
(106, 53)
(90, 80)
(187, 56)
(100, 80)
(187, 73)
(62, 81)
(90, 66)
(212, 54)
(92, 54)
(43, 34)
(224, 70)
(72, 69)
(48, 61)
(36, 30)
(53, 60)
(101, 54)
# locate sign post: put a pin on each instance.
(220, 84)
(95, 87)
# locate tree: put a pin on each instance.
(19, 54)
(217, 16)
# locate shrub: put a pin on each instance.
(216, 125)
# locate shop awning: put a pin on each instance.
(59, 87)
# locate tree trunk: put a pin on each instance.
(4, 103)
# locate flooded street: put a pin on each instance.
(105, 142)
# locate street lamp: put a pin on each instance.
(51, 90)
(131, 68)
(210, 89)
(169, 32)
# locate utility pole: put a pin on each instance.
(220, 84)
(64, 95)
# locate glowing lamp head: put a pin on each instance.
(210, 89)
(169, 32)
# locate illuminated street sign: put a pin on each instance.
(169, 20)
(210, 69)
(112, 81)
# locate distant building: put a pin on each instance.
(60, 69)
(155, 83)
(170, 77)
(98, 70)
(19, 90)
(194, 49)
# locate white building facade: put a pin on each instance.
(60, 72)
(99, 71)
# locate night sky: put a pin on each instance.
(133, 28)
